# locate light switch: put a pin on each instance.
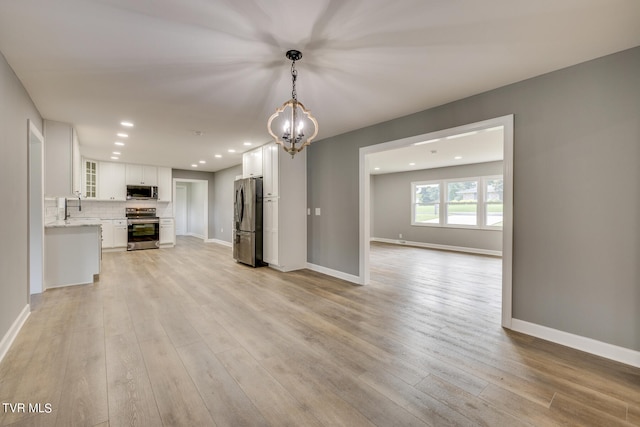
(317, 211)
(308, 211)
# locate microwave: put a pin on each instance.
(142, 192)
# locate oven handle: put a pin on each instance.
(143, 221)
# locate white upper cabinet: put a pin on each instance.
(165, 184)
(252, 163)
(141, 175)
(61, 160)
(111, 181)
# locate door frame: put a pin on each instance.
(507, 230)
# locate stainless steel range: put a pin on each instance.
(143, 229)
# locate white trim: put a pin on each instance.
(334, 273)
(507, 230)
(220, 242)
(12, 333)
(477, 251)
(589, 345)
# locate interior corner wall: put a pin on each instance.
(16, 107)
(576, 193)
(391, 209)
(223, 203)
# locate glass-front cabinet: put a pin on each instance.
(90, 184)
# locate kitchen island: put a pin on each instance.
(72, 252)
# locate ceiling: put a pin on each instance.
(200, 77)
(479, 146)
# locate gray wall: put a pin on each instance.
(391, 208)
(576, 193)
(15, 108)
(223, 203)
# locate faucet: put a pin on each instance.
(67, 214)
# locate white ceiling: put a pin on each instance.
(459, 149)
(218, 66)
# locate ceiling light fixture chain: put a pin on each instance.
(295, 121)
(294, 77)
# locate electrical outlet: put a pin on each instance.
(400, 236)
(221, 230)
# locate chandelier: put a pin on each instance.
(293, 118)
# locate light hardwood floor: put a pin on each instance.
(187, 337)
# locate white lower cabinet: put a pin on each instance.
(167, 232)
(120, 233)
(270, 230)
(114, 233)
(107, 234)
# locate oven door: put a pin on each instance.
(143, 234)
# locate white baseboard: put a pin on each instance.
(12, 333)
(439, 247)
(599, 348)
(220, 242)
(334, 273)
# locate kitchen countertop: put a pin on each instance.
(92, 222)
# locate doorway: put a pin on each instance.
(506, 122)
(190, 206)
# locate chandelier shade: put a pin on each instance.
(292, 125)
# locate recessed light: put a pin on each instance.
(427, 142)
(376, 169)
(114, 158)
(247, 143)
(123, 135)
(231, 150)
(457, 157)
(461, 135)
(119, 143)
(202, 162)
(194, 165)
(126, 124)
(412, 164)
(117, 153)
(218, 156)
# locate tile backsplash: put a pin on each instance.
(102, 209)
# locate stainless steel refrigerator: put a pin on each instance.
(247, 218)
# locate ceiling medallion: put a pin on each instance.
(292, 117)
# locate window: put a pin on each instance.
(462, 203)
(426, 203)
(493, 201)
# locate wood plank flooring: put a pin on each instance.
(187, 337)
